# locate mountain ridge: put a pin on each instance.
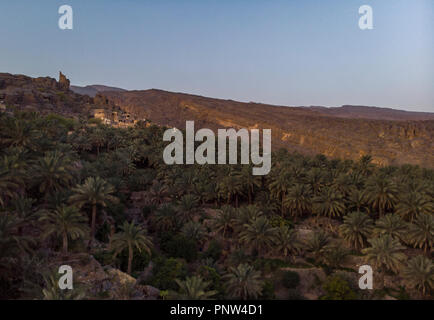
(305, 130)
(93, 90)
(311, 131)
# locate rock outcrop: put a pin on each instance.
(63, 82)
(105, 282)
(43, 94)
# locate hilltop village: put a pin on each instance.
(46, 95)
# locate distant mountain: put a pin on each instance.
(348, 132)
(374, 113)
(93, 90)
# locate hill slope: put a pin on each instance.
(307, 130)
(374, 113)
(94, 89)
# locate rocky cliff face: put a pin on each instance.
(42, 94)
(63, 83)
(300, 129)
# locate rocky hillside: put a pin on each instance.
(48, 95)
(373, 113)
(307, 130)
(347, 132)
(43, 94)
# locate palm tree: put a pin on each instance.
(20, 134)
(329, 203)
(187, 207)
(365, 166)
(266, 203)
(23, 208)
(243, 282)
(244, 215)
(334, 256)
(248, 180)
(230, 187)
(279, 187)
(53, 172)
(258, 234)
(381, 193)
(158, 194)
(66, 222)
(183, 181)
(165, 218)
(24, 211)
(393, 225)
(298, 201)
(223, 221)
(421, 232)
(356, 229)
(413, 203)
(97, 138)
(419, 274)
(315, 178)
(9, 185)
(357, 201)
(384, 254)
(194, 230)
(194, 288)
(286, 241)
(94, 191)
(343, 184)
(10, 241)
(205, 190)
(131, 236)
(317, 244)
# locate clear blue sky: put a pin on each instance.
(289, 52)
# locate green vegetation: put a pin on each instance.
(337, 288)
(71, 190)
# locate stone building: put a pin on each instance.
(115, 118)
(99, 113)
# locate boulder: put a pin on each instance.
(120, 277)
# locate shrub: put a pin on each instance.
(290, 279)
(67, 123)
(337, 288)
(166, 271)
(103, 257)
(211, 274)
(214, 250)
(180, 246)
(277, 221)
